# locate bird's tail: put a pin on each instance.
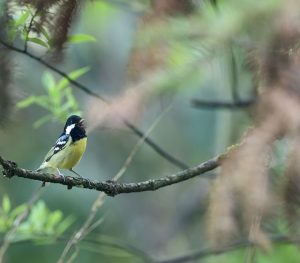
(45, 167)
(42, 167)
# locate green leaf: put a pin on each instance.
(64, 225)
(45, 33)
(38, 41)
(26, 102)
(43, 101)
(72, 103)
(42, 121)
(48, 80)
(72, 75)
(55, 95)
(59, 102)
(38, 217)
(22, 19)
(3, 225)
(53, 220)
(79, 38)
(6, 204)
(17, 211)
(11, 34)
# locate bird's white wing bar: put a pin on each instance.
(59, 145)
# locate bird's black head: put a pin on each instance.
(73, 119)
(75, 127)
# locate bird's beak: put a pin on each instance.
(81, 123)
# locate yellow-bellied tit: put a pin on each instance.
(69, 147)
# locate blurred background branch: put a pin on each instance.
(219, 105)
(235, 246)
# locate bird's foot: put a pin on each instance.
(61, 175)
(89, 181)
(111, 181)
(71, 170)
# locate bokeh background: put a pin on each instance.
(168, 53)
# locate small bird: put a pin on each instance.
(69, 147)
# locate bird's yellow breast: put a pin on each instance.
(70, 155)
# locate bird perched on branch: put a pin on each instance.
(69, 147)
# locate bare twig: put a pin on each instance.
(234, 77)
(28, 30)
(54, 69)
(8, 238)
(215, 105)
(120, 245)
(234, 246)
(157, 148)
(135, 251)
(188, 257)
(237, 102)
(90, 92)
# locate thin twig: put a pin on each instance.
(88, 225)
(133, 128)
(54, 69)
(188, 257)
(93, 241)
(234, 77)
(129, 248)
(157, 148)
(29, 30)
(191, 257)
(139, 144)
(216, 105)
(8, 238)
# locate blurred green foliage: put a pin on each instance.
(206, 35)
(22, 25)
(41, 225)
(280, 253)
(59, 101)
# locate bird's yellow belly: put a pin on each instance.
(70, 156)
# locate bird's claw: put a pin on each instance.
(62, 176)
(111, 181)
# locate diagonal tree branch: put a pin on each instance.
(180, 164)
(28, 30)
(156, 147)
(54, 69)
(111, 188)
(234, 76)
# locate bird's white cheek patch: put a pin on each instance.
(70, 128)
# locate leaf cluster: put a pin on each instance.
(59, 100)
(26, 24)
(41, 225)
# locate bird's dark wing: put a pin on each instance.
(59, 145)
